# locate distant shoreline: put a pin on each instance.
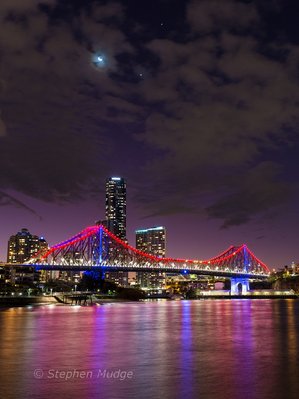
(8, 302)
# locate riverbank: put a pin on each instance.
(290, 296)
(19, 301)
(11, 301)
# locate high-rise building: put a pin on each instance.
(116, 215)
(116, 206)
(152, 241)
(23, 246)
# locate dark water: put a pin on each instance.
(183, 349)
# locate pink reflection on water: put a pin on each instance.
(180, 349)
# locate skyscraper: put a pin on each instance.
(116, 215)
(116, 204)
(152, 241)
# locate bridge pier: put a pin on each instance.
(239, 285)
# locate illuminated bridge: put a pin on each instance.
(96, 248)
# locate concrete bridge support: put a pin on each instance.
(239, 285)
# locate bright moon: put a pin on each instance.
(99, 61)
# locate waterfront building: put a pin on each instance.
(23, 246)
(152, 241)
(4, 275)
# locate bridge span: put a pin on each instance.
(96, 248)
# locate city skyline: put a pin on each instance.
(196, 106)
(116, 187)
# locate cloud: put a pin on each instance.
(19, 5)
(203, 131)
(224, 102)
(206, 16)
(7, 199)
(56, 103)
(2, 128)
(2, 124)
(259, 191)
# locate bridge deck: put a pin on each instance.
(126, 268)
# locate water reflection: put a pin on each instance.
(181, 349)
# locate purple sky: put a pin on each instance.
(194, 103)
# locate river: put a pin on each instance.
(207, 349)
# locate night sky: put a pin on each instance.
(194, 103)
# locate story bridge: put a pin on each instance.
(96, 248)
